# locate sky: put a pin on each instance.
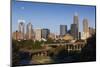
(50, 15)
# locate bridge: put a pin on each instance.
(38, 52)
(45, 52)
(69, 46)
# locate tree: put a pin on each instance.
(89, 51)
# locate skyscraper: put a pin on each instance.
(21, 29)
(85, 33)
(85, 25)
(45, 33)
(37, 34)
(76, 21)
(29, 31)
(79, 35)
(63, 30)
(74, 31)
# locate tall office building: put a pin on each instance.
(79, 35)
(74, 31)
(45, 33)
(85, 33)
(21, 29)
(76, 21)
(29, 31)
(37, 34)
(63, 30)
(85, 25)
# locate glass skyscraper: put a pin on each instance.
(76, 21)
(29, 31)
(21, 29)
(45, 33)
(74, 31)
(63, 30)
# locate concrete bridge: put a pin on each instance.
(39, 52)
(69, 46)
(44, 52)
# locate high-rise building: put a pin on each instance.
(79, 35)
(37, 33)
(85, 25)
(85, 33)
(29, 31)
(45, 33)
(76, 21)
(21, 29)
(63, 30)
(74, 31)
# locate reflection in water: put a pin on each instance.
(62, 57)
(24, 58)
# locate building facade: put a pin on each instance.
(85, 25)
(76, 21)
(85, 33)
(29, 31)
(21, 29)
(45, 33)
(37, 33)
(74, 31)
(63, 30)
(16, 35)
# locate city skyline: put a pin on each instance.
(51, 33)
(60, 13)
